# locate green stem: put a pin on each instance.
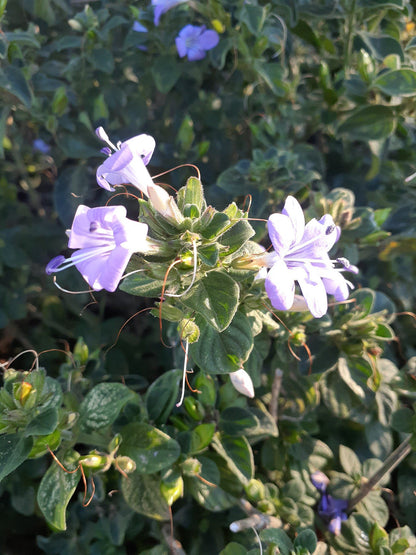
(349, 37)
(390, 463)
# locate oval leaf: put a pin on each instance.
(398, 82)
(14, 450)
(215, 297)
(103, 404)
(225, 352)
(142, 494)
(150, 448)
(55, 490)
(371, 123)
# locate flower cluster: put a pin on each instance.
(104, 236)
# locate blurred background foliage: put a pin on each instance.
(310, 98)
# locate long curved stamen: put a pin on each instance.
(185, 362)
(101, 134)
(71, 292)
(193, 275)
(84, 254)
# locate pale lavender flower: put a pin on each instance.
(330, 509)
(41, 146)
(301, 255)
(128, 163)
(162, 6)
(194, 42)
(106, 240)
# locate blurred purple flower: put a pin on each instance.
(41, 146)
(330, 509)
(194, 42)
(106, 240)
(162, 6)
(301, 254)
(128, 163)
(138, 27)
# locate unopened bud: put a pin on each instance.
(125, 464)
(242, 382)
(163, 202)
(23, 392)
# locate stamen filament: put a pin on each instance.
(88, 253)
(185, 362)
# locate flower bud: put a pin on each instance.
(191, 467)
(242, 382)
(163, 203)
(125, 464)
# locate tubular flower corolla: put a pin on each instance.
(105, 239)
(301, 255)
(127, 164)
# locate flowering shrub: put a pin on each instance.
(226, 365)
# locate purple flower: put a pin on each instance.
(194, 41)
(106, 239)
(139, 28)
(162, 6)
(128, 163)
(330, 509)
(41, 146)
(301, 254)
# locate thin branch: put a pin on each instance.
(277, 383)
(175, 547)
(391, 462)
(256, 519)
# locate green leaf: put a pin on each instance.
(238, 455)
(42, 444)
(201, 437)
(235, 237)
(398, 82)
(102, 59)
(379, 46)
(43, 424)
(401, 420)
(378, 537)
(233, 548)
(13, 81)
(235, 421)
(103, 404)
(253, 16)
(370, 123)
(215, 297)
(306, 539)
(192, 193)
(55, 490)
(211, 497)
(349, 461)
(150, 448)
(162, 395)
(279, 538)
(142, 494)
(165, 73)
(221, 353)
(14, 449)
